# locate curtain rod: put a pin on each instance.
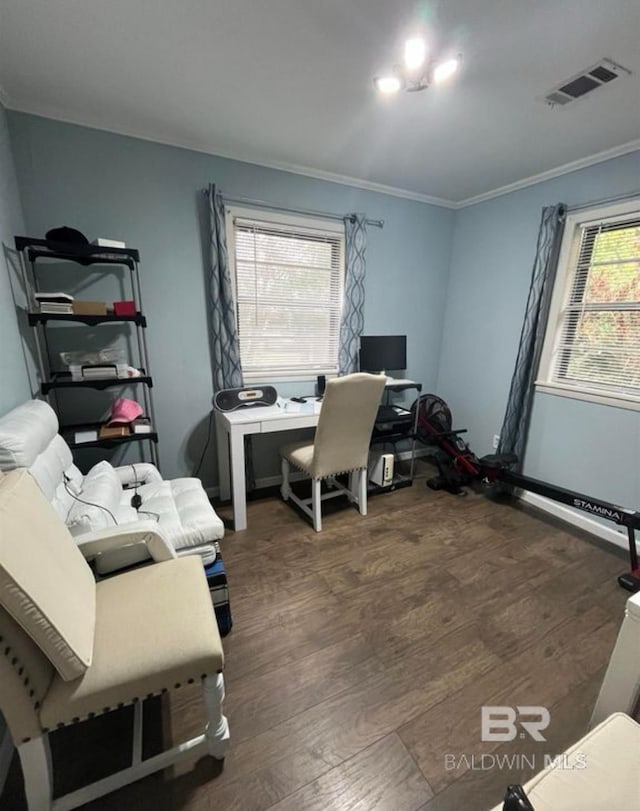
(247, 201)
(617, 199)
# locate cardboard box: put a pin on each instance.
(113, 431)
(89, 307)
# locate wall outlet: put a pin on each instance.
(496, 440)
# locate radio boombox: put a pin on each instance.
(231, 399)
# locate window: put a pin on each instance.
(592, 345)
(289, 279)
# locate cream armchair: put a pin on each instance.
(341, 444)
(71, 648)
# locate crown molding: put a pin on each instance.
(566, 168)
(283, 166)
(331, 177)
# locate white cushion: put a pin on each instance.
(171, 638)
(186, 516)
(97, 503)
(601, 771)
(25, 432)
(45, 583)
(50, 465)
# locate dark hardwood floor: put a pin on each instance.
(361, 657)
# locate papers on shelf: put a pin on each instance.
(85, 436)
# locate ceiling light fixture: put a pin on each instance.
(388, 84)
(415, 75)
(445, 69)
(415, 52)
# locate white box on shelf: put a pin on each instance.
(103, 242)
(380, 469)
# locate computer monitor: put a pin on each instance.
(383, 352)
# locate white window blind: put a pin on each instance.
(289, 286)
(597, 342)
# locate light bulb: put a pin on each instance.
(415, 51)
(445, 69)
(387, 84)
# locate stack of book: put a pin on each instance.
(54, 302)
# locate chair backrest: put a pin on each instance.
(29, 438)
(46, 586)
(349, 409)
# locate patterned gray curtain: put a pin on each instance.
(515, 426)
(227, 370)
(353, 307)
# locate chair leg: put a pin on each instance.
(35, 758)
(362, 495)
(284, 487)
(352, 495)
(217, 730)
(316, 504)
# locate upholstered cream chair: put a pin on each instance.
(71, 649)
(341, 443)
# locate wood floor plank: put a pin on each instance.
(257, 703)
(382, 777)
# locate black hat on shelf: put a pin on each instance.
(65, 234)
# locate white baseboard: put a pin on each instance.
(576, 519)
(275, 481)
(6, 753)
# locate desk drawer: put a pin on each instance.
(290, 423)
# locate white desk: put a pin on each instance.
(233, 426)
(231, 429)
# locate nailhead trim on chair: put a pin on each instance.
(329, 475)
(77, 719)
(25, 681)
(119, 706)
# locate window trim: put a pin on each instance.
(616, 212)
(318, 225)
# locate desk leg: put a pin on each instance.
(238, 481)
(222, 443)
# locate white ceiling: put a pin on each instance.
(289, 82)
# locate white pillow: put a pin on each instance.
(96, 505)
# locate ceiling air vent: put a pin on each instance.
(583, 83)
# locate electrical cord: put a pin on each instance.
(206, 445)
(66, 480)
(148, 512)
(136, 498)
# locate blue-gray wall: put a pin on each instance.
(591, 448)
(455, 282)
(150, 196)
(14, 382)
